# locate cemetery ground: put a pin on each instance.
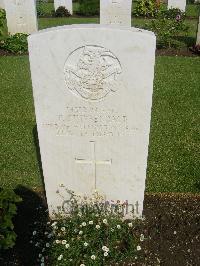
(186, 40)
(173, 164)
(172, 199)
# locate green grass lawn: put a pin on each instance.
(192, 10)
(137, 22)
(174, 160)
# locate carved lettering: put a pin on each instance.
(91, 122)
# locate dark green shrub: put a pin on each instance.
(41, 9)
(89, 7)
(146, 8)
(173, 13)
(168, 26)
(2, 18)
(8, 209)
(16, 43)
(61, 11)
(190, 2)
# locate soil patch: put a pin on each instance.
(172, 227)
(175, 52)
(7, 53)
(159, 52)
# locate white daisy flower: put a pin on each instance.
(53, 224)
(57, 241)
(84, 224)
(64, 242)
(104, 248)
(118, 226)
(138, 248)
(67, 245)
(105, 221)
(97, 226)
(80, 232)
(93, 257)
(47, 245)
(34, 233)
(85, 244)
(90, 222)
(60, 257)
(141, 237)
(105, 254)
(130, 225)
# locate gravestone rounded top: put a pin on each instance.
(93, 89)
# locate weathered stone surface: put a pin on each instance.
(115, 12)
(2, 5)
(21, 16)
(181, 4)
(93, 108)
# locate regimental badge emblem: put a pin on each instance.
(91, 72)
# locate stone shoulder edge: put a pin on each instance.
(90, 26)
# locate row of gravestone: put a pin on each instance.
(22, 17)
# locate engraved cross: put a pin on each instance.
(94, 162)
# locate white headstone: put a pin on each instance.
(93, 109)
(2, 4)
(198, 33)
(65, 3)
(115, 12)
(181, 4)
(21, 16)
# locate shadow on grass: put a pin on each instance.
(37, 149)
(24, 252)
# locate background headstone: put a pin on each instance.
(198, 33)
(21, 16)
(65, 3)
(2, 4)
(93, 108)
(115, 12)
(181, 4)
